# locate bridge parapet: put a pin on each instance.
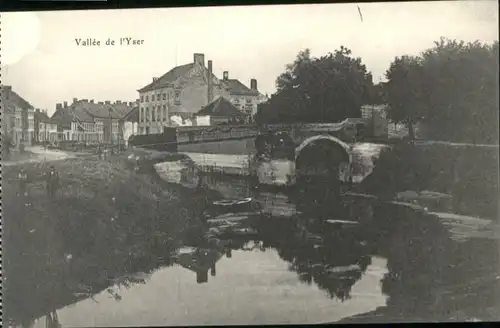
(346, 130)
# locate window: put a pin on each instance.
(142, 114)
(165, 96)
(158, 112)
(147, 114)
(152, 97)
(153, 113)
(165, 114)
(142, 98)
(147, 98)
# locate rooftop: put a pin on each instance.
(221, 107)
(233, 86)
(237, 88)
(41, 116)
(12, 100)
(87, 111)
(168, 77)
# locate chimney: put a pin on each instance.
(253, 84)
(201, 276)
(107, 102)
(131, 103)
(225, 75)
(155, 79)
(37, 110)
(100, 103)
(58, 107)
(91, 101)
(199, 59)
(85, 100)
(7, 89)
(65, 104)
(75, 100)
(118, 101)
(210, 87)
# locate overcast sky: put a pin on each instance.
(43, 63)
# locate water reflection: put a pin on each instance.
(328, 243)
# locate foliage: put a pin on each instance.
(468, 174)
(404, 91)
(326, 89)
(451, 88)
(103, 215)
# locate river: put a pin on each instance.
(302, 260)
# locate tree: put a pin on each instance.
(326, 89)
(452, 89)
(404, 91)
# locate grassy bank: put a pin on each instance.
(81, 240)
(468, 173)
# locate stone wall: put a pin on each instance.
(231, 147)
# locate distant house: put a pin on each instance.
(130, 124)
(45, 128)
(18, 117)
(376, 120)
(183, 90)
(92, 122)
(221, 111)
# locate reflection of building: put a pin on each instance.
(45, 128)
(199, 261)
(18, 117)
(185, 89)
(92, 122)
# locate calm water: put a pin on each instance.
(294, 260)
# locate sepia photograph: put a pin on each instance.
(250, 165)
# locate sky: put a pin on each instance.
(43, 63)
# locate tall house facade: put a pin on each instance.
(185, 89)
(18, 117)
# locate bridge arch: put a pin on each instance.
(322, 158)
(335, 142)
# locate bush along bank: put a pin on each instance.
(103, 223)
(468, 173)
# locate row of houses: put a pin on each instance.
(189, 94)
(83, 120)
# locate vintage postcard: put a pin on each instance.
(293, 164)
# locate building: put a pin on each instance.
(220, 111)
(185, 89)
(92, 122)
(18, 117)
(130, 124)
(376, 118)
(45, 129)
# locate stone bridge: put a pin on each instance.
(242, 140)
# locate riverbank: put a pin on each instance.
(468, 173)
(37, 154)
(103, 220)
